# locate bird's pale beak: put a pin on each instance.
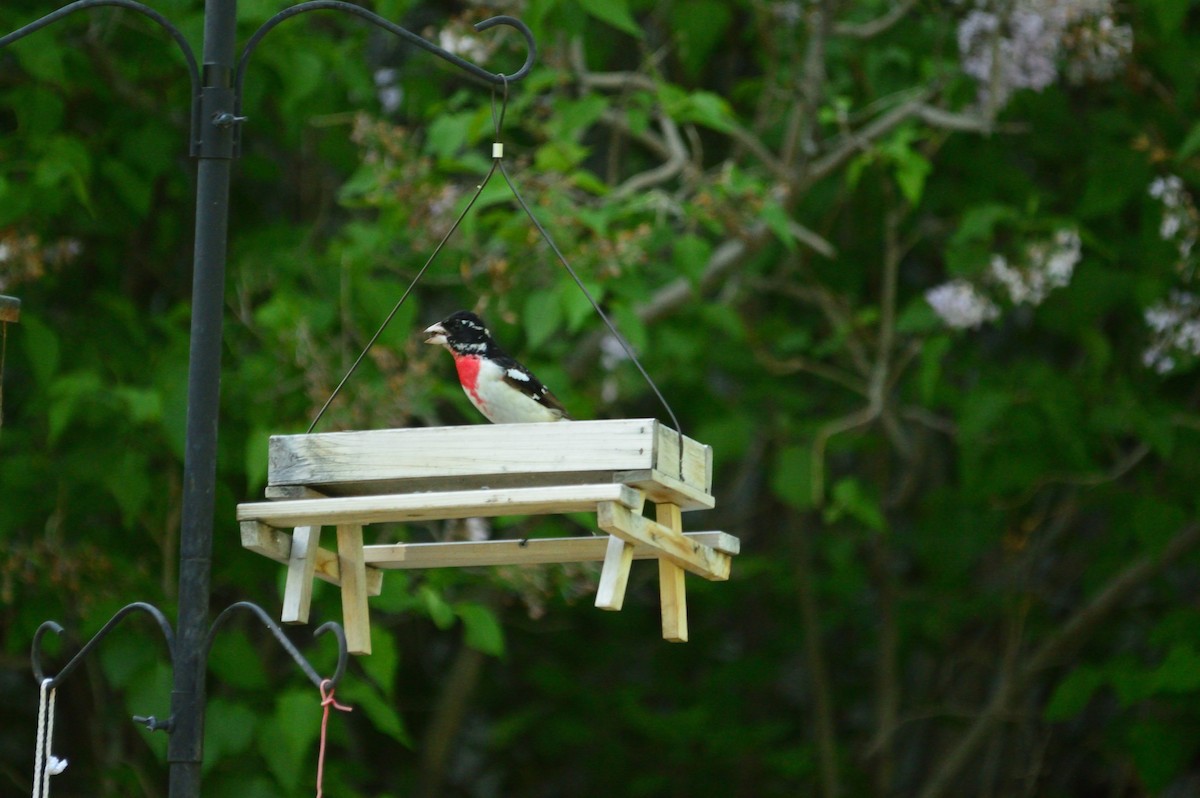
(435, 334)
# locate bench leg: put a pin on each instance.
(355, 617)
(302, 564)
(671, 589)
(610, 595)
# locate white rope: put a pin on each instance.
(45, 764)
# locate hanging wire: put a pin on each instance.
(591, 299)
(404, 296)
(498, 163)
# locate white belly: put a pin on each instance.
(501, 403)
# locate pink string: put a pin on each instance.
(327, 701)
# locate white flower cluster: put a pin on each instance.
(1175, 322)
(388, 90)
(1098, 46)
(462, 44)
(960, 305)
(1180, 220)
(1008, 45)
(1176, 327)
(1046, 265)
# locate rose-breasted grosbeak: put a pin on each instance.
(500, 387)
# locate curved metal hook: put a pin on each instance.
(403, 33)
(184, 47)
(50, 626)
(278, 634)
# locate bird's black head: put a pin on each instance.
(463, 333)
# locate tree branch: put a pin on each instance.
(675, 163)
(859, 140)
(874, 27)
(818, 669)
(1072, 633)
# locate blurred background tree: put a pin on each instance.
(922, 274)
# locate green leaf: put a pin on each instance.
(560, 156)
(791, 477)
(67, 395)
(981, 412)
(448, 134)
(235, 661)
(918, 317)
(384, 660)
(711, 110)
(777, 219)
(615, 13)
(126, 658)
(542, 317)
(441, 613)
(1073, 693)
(911, 172)
(142, 405)
(1169, 13)
(228, 730)
(379, 710)
(256, 457)
(285, 737)
(1159, 752)
(1180, 671)
(573, 119)
(575, 305)
(850, 499)
(483, 631)
(690, 255)
(930, 371)
(1190, 145)
(699, 26)
(979, 223)
(65, 161)
(44, 60)
(133, 189)
(125, 479)
(41, 347)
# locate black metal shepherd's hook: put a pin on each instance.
(217, 79)
(164, 626)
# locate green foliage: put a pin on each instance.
(759, 195)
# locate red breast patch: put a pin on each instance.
(468, 374)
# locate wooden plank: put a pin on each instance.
(698, 462)
(478, 449)
(292, 492)
(302, 563)
(673, 599)
(614, 575)
(694, 469)
(688, 554)
(659, 487)
(672, 590)
(492, 456)
(356, 618)
(437, 506)
(10, 309)
(535, 551)
(276, 545)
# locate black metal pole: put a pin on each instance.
(214, 124)
(185, 751)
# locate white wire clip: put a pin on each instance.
(45, 764)
(497, 149)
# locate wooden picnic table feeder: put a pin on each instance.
(612, 467)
